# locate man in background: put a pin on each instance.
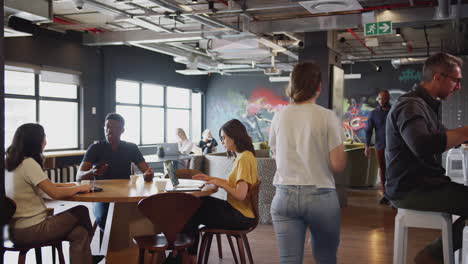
(111, 159)
(376, 121)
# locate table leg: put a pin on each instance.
(127, 222)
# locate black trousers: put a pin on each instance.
(215, 213)
(448, 198)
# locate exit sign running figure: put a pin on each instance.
(378, 28)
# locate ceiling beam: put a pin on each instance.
(137, 36)
(399, 18)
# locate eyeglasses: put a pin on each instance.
(112, 127)
(454, 79)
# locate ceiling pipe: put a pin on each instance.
(360, 40)
(396, 63)
(443, 9)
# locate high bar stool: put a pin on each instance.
(412, 218)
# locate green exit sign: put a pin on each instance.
(378, 28)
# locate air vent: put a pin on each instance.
(326, 6)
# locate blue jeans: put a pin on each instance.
(294, 208)
(100, 213)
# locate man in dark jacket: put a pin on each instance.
(415, 141)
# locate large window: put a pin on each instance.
(46, 97)
(153, 112)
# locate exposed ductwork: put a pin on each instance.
(396, 63)
(443, 9)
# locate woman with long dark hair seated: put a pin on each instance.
(24, 181)
(236, 212)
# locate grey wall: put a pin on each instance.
(455, 108)
(245, 97)
(100, 67)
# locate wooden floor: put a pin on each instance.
(366, 237)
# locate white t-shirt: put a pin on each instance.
(185, 147)
(301, 138)
(21, 186)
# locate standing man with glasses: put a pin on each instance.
(376, 120)
(416, 139)
(111, 159)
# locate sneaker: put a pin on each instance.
(424, 257)
(384, 200)
(97, 259)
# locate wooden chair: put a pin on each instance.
(169, 212)
(239, 235)
(9, 211)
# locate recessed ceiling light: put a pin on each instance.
(327, 6)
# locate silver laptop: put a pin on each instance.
(182, 185)
(170, 149)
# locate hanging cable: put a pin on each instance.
(427, 41)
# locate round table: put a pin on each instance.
(127, 191)
(124, 220)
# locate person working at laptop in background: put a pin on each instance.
(416, 138)
(111, 159)
(236, 212)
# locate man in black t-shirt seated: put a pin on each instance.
(111, 159)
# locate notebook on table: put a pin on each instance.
(182, 185)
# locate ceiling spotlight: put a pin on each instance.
(194, 1)
(378, 68)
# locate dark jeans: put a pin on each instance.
(215, 213)
(100, 213)
(448, 198)
(380, 154)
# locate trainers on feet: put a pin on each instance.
(384, 200)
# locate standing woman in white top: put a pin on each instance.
(24, 180)
(184, 144)
(306, 140)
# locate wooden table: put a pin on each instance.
(124, 220)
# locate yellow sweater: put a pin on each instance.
(243, 169)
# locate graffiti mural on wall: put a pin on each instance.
(356, 112)
(254, 110)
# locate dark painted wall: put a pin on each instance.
(360, 94)
(100, 67)
(251, 99)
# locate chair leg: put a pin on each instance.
(22, 257)
(60, 253)
(241, 250)
(141, 256)
(208, 247)
(247, 248)
(38, 252)
(220, 249)
(201, 251)
(53, 254)
(233, 249)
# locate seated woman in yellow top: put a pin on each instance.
(236, 212)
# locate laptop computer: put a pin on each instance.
(182, 185)
(170, 149)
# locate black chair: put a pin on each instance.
(169, 212)
(9, 211)
(239, 235)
